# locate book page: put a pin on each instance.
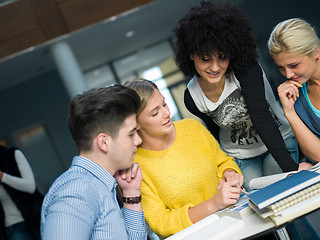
(296, 198)
(297, 210)
(298, 206)
(315, 168)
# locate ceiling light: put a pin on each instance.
(129, 34)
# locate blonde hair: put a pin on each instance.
(295, 36)
(144, 89)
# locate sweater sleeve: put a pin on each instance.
(191, 106)
(219, 157)
(26, 182)
(252, 89)
(162, 220)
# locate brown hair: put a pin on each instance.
(144, 89)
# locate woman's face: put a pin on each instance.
(299, 68)
(155, 117)
(211, 68)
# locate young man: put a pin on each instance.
(82, 203)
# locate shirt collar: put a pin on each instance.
(96, 170)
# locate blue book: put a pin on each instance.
(283, 188)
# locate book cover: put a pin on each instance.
(283, 188)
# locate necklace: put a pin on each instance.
(313, 89)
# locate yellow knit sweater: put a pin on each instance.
(181, 176)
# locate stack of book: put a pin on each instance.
(288, 198)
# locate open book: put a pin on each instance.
(219, 224)
(261, 182)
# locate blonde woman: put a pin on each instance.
(186, 176)
(295, 48)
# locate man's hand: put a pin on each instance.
(130, 180)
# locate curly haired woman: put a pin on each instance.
(230, 92)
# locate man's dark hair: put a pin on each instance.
(210, 28)
(100, 110)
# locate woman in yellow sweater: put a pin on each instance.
(186, 176)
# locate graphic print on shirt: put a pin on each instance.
(233, 114)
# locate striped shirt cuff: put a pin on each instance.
(134, 220)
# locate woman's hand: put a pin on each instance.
(229, 190)
(231, 176)
(288, 93)
(305, 166)
(227, 194)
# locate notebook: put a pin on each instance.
(295, 198)
(296, 210)
(283, 188)
(281, 207)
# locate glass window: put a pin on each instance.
(142, 60)
(99, 77)
(4, 2)
(154, 74)
(156, 63)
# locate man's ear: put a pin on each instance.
(103, 141)
(191, 57)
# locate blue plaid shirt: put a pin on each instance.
(82, 204)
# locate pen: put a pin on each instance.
(244, 191)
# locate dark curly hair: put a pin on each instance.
(214, 27)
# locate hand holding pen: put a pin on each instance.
(230, 175)
(244, 191)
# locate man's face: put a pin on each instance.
(123, 147)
